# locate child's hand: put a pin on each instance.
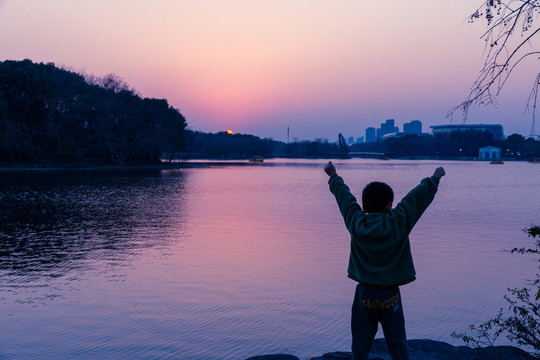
(439, 173)
(330, 169)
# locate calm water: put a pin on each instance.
(227, 262)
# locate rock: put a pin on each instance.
(338, 355)
(437, 350)
(429, 349)
(274, 357)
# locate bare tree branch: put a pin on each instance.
(502, 54)
(531, 104)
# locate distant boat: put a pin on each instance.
(258, 159)
(384, 158)
(497, 162)
(535, 161)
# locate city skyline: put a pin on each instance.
(316, 68)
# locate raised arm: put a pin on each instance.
(413, 205)
(348, 206)
(330, 169)
(439, 173)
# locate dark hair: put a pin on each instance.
(376, 196)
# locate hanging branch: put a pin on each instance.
(531, 104)
(501, 54)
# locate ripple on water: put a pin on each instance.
(231, 262)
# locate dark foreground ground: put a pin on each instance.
(423, 350)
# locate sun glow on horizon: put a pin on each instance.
(262, 66)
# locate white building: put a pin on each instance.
(489, 153)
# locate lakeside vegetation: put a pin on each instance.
(50, 115)
(240, 146)
(521, 323)
(55, 117)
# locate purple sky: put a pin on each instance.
(258, 67)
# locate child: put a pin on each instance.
(380, 258)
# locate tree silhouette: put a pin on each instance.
(48, 114)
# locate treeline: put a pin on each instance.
(453, 145)
(240, 146)
(459, 144)
(224, 145)
(48, 114)
(52, 115)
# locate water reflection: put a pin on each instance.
(227, 262)
(54, 223)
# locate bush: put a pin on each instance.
(521, 324)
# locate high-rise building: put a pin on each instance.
(413, 127)
(387, 128)
(360, 140)
(350, 140)
(371, 136)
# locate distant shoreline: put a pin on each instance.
(193, 162)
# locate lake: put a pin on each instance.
(228, 261)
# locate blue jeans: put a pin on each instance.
(373, 305)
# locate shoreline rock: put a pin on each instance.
(422, 349)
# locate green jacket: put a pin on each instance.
(380, 248)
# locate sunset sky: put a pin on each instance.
(320, 67)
